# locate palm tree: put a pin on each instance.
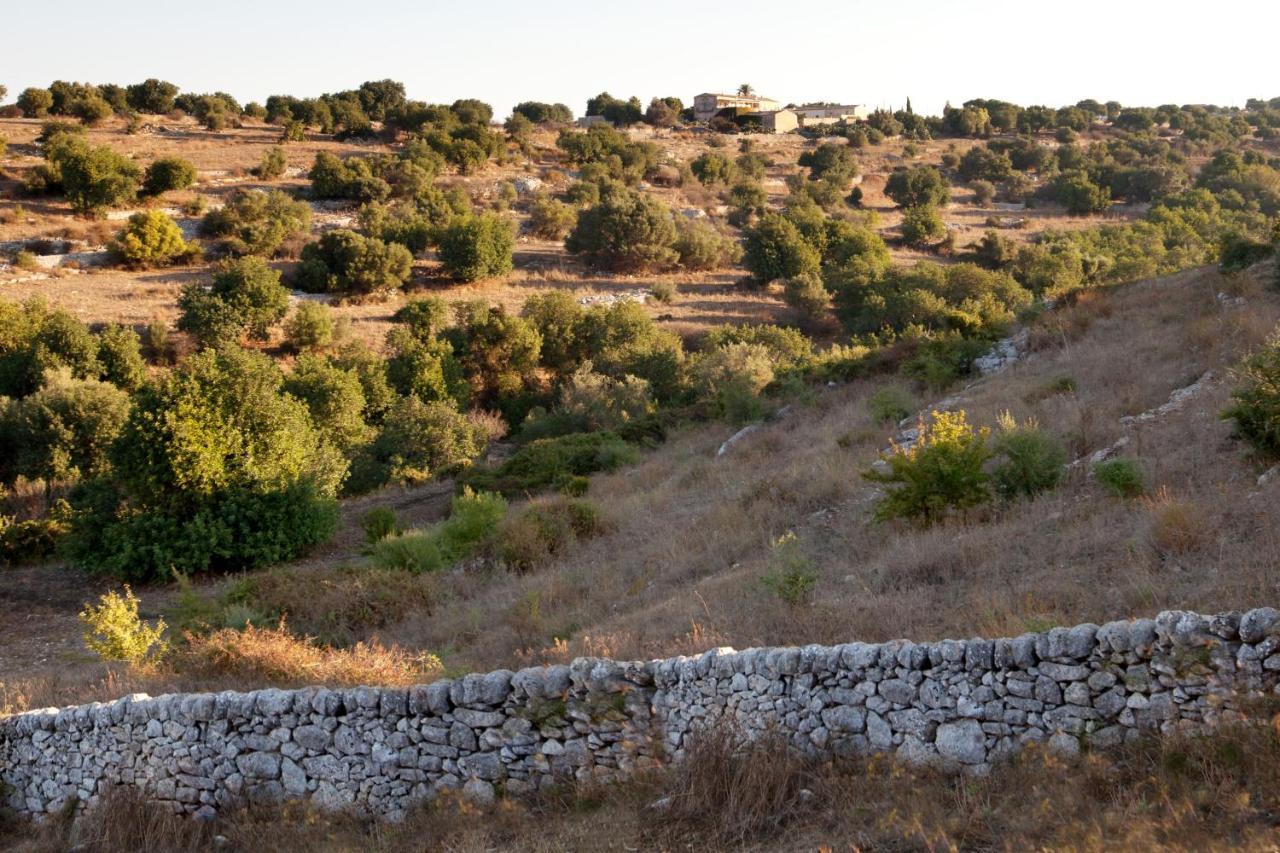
(745, 90)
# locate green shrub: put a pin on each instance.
(34, 102)
(30, 541)
(942, 359)
(1079, 195)
(922, 225)
(917, 186)
(545, 529)
(550, 219)
(891, 405)
(627, 231)
(342, 261)
(115, 632)
(775, 249)
(273, 165)
(807, 295)
(150, 238)
(663, 291)
(245, 298)
(310, 327)
(334, 399)
(379, 523)
(63, 431)
(353, 178)
(984, 192)
(120, 354)
(1256, 406)
(712, 167)
(791, 575)
(472, 523)
(550, 463)
(597, 402)
(942, 472)
(1029, 460)
(95, 177)
(168, 173)
(1123, 478)
(733, 377)
(701, 246)
(257, 223)
(419, 440)
(476, 247)
(1239, 251)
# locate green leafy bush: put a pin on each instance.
(245, 298)
(775, 249)
(550, 463)
(791, 574)
(475, 247)
(807, 295)
(150, 238)
(1029, 461)
(712, 167)
(418, 441)
(342, 261)
(334, 398)
(701, 246)
(1123, 478)
(257, 223)
(1256, 406)
(891, 405)
(472, 524)
(168, 173)
(310, 327)
(550, 219)
(921, 225)
(95, 177)
(545, 529)
(115, 632)
(916, 186)
(273, 165)
(627, 231)
(943, 471)
(120, 354)
(29, 541)
(733, 377)
(63, 431)
(379, 523)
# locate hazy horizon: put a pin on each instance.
(853, 52)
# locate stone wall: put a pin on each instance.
(960, 703)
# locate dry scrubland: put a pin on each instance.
(683, 557)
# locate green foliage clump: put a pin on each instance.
(472, 524)
(890, 405)
(120, 355)
(245, 298)
(150, 238)
(35, 341)
(257, 223)
(961, 298)
(29, 541)
(942, 472)
(1079, 195)
(701, 246)
(417, 442)
(476, 247)
(791, 575)
(379, 523)
(168, 173)
(627, 231)
(807, 295)
(1029, 460)
(34, 102)
(550, 463)
(93, 178)
(1123, 478)
(592, 401)
(343, 261)
(918, 185)
(1256, 400)
(831, 161)
(550, 219)
(922, 224)
(115, 631)
(334, 398)
(310, 327)
(545, 529)
(732, 377)
(63, 431)
(712, 167)
(273, 165)
(776, 249)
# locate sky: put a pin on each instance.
(503, 52)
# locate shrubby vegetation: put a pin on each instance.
(257, 223)
(1256, 407)
(475, 247)
(345, 262)
(245, 299)
(150, 238)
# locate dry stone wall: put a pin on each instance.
(963, 704)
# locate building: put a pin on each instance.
(775, 121)
(812, 114)
(709, 104)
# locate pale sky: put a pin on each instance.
(875, 53)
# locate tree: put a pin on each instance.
(664, 112)
(775, 249)
(151, 96)
(168, 173)
(342, 261)
(984, 192)
(35, 340)
(627, 231)
(92, 109)
(745, 90)
(63, 431)
(498, 351)
(120, 354)
(982, 163)
(911, 187)
(543, 113)
(921, 224)
(420, 439)
(701, 246)
(807, 295)
(941, 472)
(1079, 195)
(551, 219)
(96, 177)
(475, 247)
(245, 298)
(311, 327)
(333, 397)
(832, 161)
(712, 167)
(34, 102)
(150, 238)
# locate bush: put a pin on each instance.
(702, 247)
(1256, 406)
(627, 231)
(1079, 195)
(550, 463)
(120, 354)
(917, 186)
(95, 177)
(115, 632)
(245, 298)
(421, 440)
(1121, 477)
(35, 103)
(891, 405)
(941, 472)
(922, 225)
(545, 529)
(551, 219)
(831, 162)
(791, 574)
(476, 247)
(150, 238)
(472, 523)
(1030, 461)
(273, 165)
(310, 328)
(257, 223)
(776, 249)
(662, 291)
(168, 173)
(984, 192)
(733, 376)
(379, 523)
(599, 402)
(342, 261)
(334, 399)
(62, 432)
(713, 168)
(30, 541)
